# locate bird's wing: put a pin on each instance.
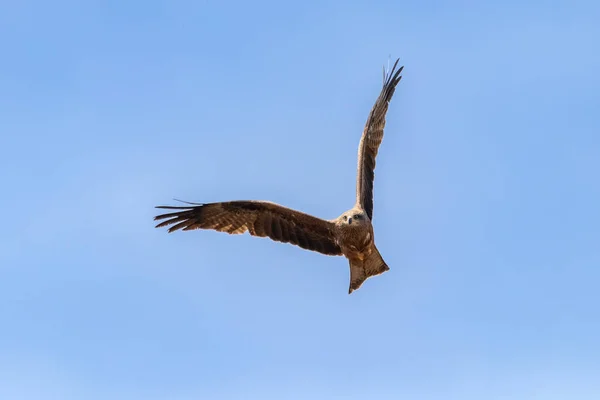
(371, 139)
(260, 218)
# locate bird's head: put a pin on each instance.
(353, 218)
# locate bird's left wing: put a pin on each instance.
(371, 139)
(259, 218)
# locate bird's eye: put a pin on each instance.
(356, 216)
(345, 217)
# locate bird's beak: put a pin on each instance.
(349, 220)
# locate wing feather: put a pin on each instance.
(259, 218)
(371, 140)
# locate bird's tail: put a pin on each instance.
(360, 271)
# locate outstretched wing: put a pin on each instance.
(371, 139)
(260, 218)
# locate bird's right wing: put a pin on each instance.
(259, 218)
(371, 140)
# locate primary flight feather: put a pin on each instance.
(350, 235)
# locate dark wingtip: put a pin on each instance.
(179, 217)
(176, 208)
(161, 224)
(394, 76)
(173, 207)
(391, 79)
(173, 218)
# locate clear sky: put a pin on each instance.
(487, 199)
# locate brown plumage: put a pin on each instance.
(371, 139)
(350, 235)
(260, 218)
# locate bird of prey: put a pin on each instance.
(350, 235)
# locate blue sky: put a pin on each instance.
(486, 200)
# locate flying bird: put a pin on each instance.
(350, 234)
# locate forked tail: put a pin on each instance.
(360, 271)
